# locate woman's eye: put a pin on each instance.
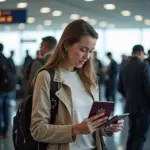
(83, 50)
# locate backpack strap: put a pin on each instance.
(53, 98)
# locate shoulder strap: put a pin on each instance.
(53, 98)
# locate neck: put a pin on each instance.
(67, 66)
(137, 56)
(47, 53)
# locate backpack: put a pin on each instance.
(22, 138)
(8, 76)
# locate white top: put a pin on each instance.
(82, 103)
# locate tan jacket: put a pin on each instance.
(59, 135)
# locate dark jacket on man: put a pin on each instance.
(134, 85)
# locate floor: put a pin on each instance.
(116, 142)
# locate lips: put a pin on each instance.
(82, 62)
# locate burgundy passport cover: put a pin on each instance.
(97, 107)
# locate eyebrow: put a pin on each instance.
(88, 48)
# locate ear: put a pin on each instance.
(66, 46)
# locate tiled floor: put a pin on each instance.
(116, 142)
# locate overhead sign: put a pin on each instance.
(13, 16)
(28, 40)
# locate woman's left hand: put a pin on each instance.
(115, 127)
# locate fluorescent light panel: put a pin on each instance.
(109, 6)
(45, 10)
(56, 13)
(31, 20)
(74, 16)
(126, 13)
(138, 18)
(22, 5)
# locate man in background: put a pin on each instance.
(48, 45)
(27, 60)
(124, 61)
(134, 85)
(147, 60)
(111, 79)
(7, 86)
(98, 68)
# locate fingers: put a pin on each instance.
(96, 117)
(95, 126)
(115, 127)
(99, 122)
(121, 121)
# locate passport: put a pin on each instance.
(98, 107)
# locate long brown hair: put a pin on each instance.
(71, 35)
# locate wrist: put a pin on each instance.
(75, 130)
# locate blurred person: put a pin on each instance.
(26, 67)
(7, 87)
(12, 53)
(147, 60)
(111, 79)
(27, 60)
(124, 61)
(38, 54)
(48, 45)
(134, 85)
(98, 68)
(13, 66)
(75, 75)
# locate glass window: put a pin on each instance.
(11, 41)
(121, 41)
(145, 39)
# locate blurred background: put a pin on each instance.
(121, 24)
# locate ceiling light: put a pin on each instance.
(57, 13)
(88, 0)
(74, 16)
(31, 20)
(45, 10)
(47, 22)
(126, 13)
(138, 18)
(85, 18)
(147, 22)
(111, 26)
(39, 27)
(22, 5)
(64, 25)
(93, 22)
(2, 0)
(21, 26)
(109, 6)
(103, 24)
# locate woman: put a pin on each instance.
(74, 72)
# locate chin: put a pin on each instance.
(79, 66)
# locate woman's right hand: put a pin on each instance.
(89, 125)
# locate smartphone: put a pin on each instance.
(115, 119)
(97, 107)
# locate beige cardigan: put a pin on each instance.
(59, 135)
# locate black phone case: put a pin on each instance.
(115, 119)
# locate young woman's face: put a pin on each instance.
(81, 51)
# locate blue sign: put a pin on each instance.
(13, 16)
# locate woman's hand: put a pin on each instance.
(89, 125)
(115, 127)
